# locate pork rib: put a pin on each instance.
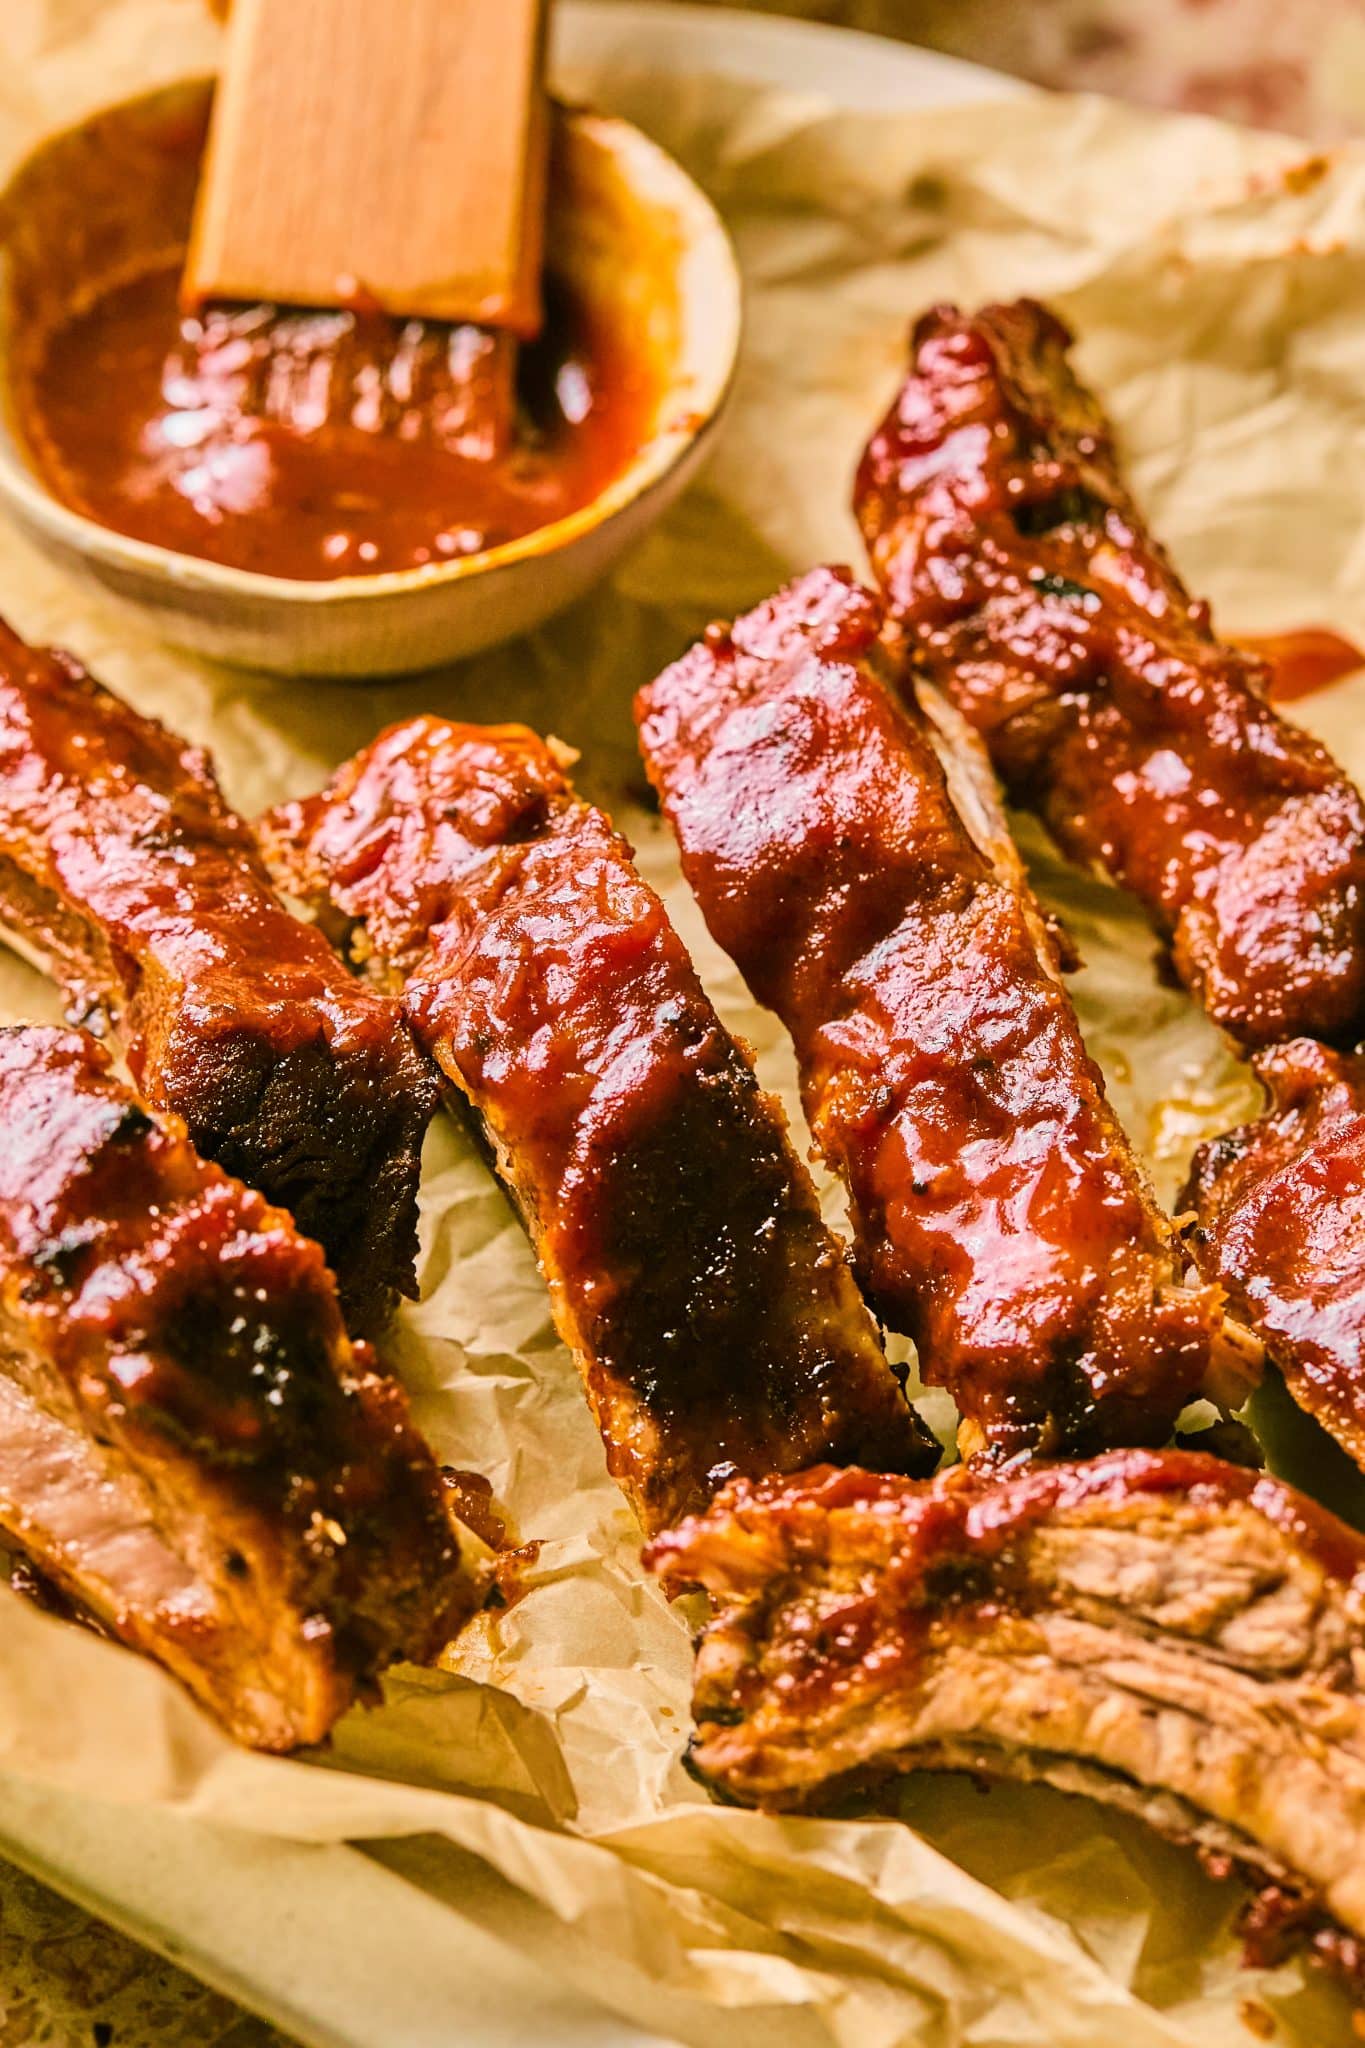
(1279, 1206)
(1158, 1630)
(124, 873)
(190, 1447)
(711, 1313)
(1000, 1217)
(1026, 585)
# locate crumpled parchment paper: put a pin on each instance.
(1216, 280)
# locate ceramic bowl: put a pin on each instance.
(628, 229)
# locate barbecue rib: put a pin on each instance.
(1159, 1630)
(125, 874)
(1026, 585)
(713, 1318)
(1000, 1217)
(1280, 1210)
(190, 1447)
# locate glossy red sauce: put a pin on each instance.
(197, 1302)
(126, 825)
(1280, 1204)
(324, 444)
(714, 1322)
(1302, 661)
(998, 1215)
(1016, 562)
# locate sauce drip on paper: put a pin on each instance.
(1304, 660)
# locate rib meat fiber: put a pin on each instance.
(1158, 1630)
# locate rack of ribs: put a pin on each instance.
(1024, 583)
(1000, 1218)
(124, 874)
(191, 1449)
(710, 1311)
(1279, 1208)
(1156, 1629)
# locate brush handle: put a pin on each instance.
(378, 152)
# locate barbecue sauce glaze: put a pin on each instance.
(316, 445)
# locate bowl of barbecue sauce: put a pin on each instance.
(344, 493)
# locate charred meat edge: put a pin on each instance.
(125, 876)
(192, 1451)
(709, 1309)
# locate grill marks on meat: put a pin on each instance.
(125, 874)
(1025, 583)
(1157, 1629)
(1000, 1217)
(712, 1315)
(1280, 1210)
(191, 1449)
